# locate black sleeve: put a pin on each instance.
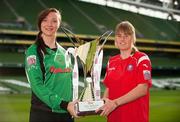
(64, 105)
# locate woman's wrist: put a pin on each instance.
(116, 103)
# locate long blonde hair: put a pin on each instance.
(127, 28)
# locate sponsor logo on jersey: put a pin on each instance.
(147, 74)
(31, 60)
(59, 70)
(111, 68)
(130, 67)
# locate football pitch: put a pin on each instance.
(164, 107)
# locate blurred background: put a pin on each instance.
(157, 24)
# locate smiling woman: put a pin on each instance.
(127, 80)
(49, 74)
(50, 25)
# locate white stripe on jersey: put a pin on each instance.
(142, 59)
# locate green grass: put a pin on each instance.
(14, 108)
(164, 107)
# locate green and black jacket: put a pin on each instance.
(56, 87)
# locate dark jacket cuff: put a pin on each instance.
(64, 105)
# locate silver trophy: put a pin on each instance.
(90, 55)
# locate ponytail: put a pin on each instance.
(41, 51)
(134, 49)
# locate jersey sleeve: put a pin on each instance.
(35, 78)
(144, 71)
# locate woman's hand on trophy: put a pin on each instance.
(72, 108)
(107, 108)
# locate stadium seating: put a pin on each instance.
(86, 18)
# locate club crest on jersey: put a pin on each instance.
(130, 67)
(31, 60)
(60, 59)
(147, 74)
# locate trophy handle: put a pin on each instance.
(75, 78)
(108, 33)
(66, 31)
(96, 73)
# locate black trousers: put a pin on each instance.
(39, 115)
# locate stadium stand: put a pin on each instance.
(159, 38)
(78, 16)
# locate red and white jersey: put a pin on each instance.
(123, 75)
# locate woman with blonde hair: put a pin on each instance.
(127, 80)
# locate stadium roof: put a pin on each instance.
(164, 9)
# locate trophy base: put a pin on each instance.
(89, 107)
